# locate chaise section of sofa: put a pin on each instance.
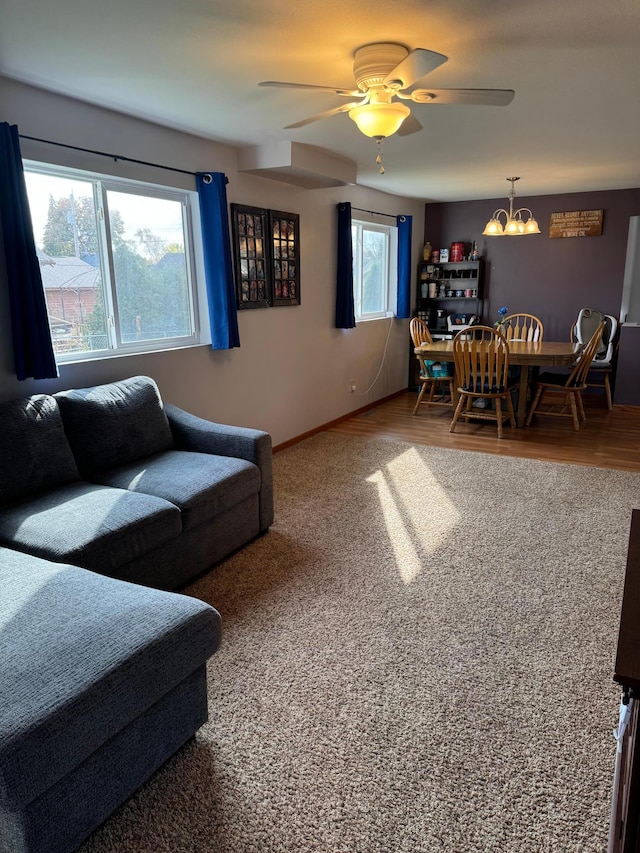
(102, 682)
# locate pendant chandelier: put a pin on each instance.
(515, 224)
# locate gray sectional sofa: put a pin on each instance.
(108, 498)
(111, 479)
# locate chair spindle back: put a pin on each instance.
(523, 327)
(578, 375)
(481, 357)
(420, 334)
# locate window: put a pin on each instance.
(374, 269)
(116, 260)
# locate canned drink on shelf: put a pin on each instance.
(456, 252)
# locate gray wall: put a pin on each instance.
(293, 371)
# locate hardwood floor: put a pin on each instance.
(606, 440)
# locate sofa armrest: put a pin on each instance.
(197, 434)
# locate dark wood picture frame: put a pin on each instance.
(284, 229)
(252, 256)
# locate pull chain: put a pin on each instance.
(379, 142)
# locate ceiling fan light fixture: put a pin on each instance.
(515, 225)
(379, 120)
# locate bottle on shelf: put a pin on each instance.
(426, 254)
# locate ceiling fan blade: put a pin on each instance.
(414, 67)
(481, 97)
(409, 125)
(279, 85)
(326, 114)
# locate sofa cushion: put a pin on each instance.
(35, 451)
(109, 425)
(83, 656)
(93, 526)
(201, 485)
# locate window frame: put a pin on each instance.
(391, 272)
(193, 252)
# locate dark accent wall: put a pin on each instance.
(552, 279)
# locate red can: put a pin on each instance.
(456, 253)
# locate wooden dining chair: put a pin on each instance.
(431, 378)
(481, 356)
(523, 327)
(570, 387)
(604, 361)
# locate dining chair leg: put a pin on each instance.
(420, 396)
(580, 402)
(607, 391)
(499, 415)
(456, 414)
(535, 404)
(574, 410)
(512, 416)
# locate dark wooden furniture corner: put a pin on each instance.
(625, 835)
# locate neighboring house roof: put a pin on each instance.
(70, 273)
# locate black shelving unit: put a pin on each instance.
(458, 289)
(448, 279)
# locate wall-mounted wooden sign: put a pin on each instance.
(576, 223)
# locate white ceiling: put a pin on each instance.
(574, 124)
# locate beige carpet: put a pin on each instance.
(418, 657)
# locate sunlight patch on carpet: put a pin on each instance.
(408, 519)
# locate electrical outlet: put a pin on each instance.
(353, 386)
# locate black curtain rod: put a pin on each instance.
(375, 212)
(114, 157)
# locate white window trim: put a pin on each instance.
(392, 270)
(194, 258)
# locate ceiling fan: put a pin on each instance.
(384, 72)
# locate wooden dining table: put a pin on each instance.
(525, 354)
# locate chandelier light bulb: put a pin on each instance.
(493, 228)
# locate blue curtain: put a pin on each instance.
(345, 310)
(223, 316)
(32, 348)
(403, 303)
